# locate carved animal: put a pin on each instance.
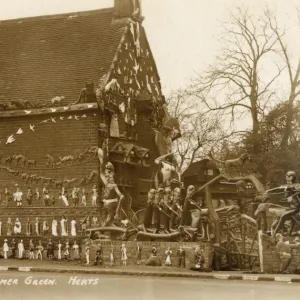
(231, 163)
(80, 157)
(87, 94)
(20, 104)
(92, 150)
(83, 181)
(241, 186)
(33, 178)
(65, 159)
(3, 106)
(92, 175)
(57, 101)
(30, 162)
(58, 164)
(19, 158)
(58, 183)
(8, 160)
(50, 161)
(70, 181)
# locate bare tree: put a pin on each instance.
(293, 76)
(235, 84)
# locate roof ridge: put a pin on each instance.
(59, 16)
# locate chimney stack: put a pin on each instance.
(128, 9)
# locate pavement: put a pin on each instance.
(73, 267)
(56, 286)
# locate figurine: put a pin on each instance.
(166, 209)
(29, 196)
(123, 255)
(59, 250)
(98, 257)
(87, 253)
(157, 208)
(50, 249)
(54, 227)
(73, 227)
(95, 222)
(31, 250)
(176, 208)
(87, 94)
(149, 210)
(75, 196)
(28, 227)
(63, 224)
(168, 261)
(83, 223)
(46, 196)
(181, 257)
(153, 260)
(17, 227)
(5, 249)
(13, 248)
(37, 226)
(112, 256)
(37, 194)
(187, 206)
(67, 251)
(18, 197)
(76, 251)
(9, 227)
(111, 195)
(40, 250)
(0, 227)
(83, 197)
(64, 196)
(21, 249)
(139, 255)
(45, 227)
(198, 259)
(94, 195)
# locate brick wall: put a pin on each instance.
(271, 261)
(58, 139)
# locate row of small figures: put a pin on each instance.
(43, 228)
(76, 196)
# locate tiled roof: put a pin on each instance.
(50, 56)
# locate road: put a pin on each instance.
(44, 286)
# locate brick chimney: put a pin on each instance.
(128, 9)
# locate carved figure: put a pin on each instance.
(63, 223)
(99, 255)
(19, 158)
(65, 159)
(37, 226)
(84, 196)
(45, 227)
(20, 104)
(138, 254)
(21, 249)
(112, 256)
(231, 163)
(40, 250)
(28, 227)
(187, 206)
(54, 227)
(181, 257)
(76, 251)
(87, 254)
(59, 250)
(5, 249)
(198, 259)
(124, 255)
(50, 161)
(13, 248)
(153, 260)
(87, 94)
(31, 250)
(94, 195)
(18, 197)
(147, 222)
(46, 196)
(168, 253)
(73, 227)
(68, 182)
(64, 196)
(8, 160)
(57, 101)
(284, 251)
(50, 249)
(75, 196)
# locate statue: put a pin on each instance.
(5, 249)
(181, 257)
(94, 195)
(59, 250)
(185, 220)
(0, 227)
(63, 223)
(87, 94)
(198, 259)
(75, 196)
(168, 253)
(76, 251)
(46, 197)
(112, 256)
(99, 255)
(167, 169)
(37, 226)
(21, 249)
(166, 209)
(54, 227)
(158, 211)
(45, 227)
(17, 227)
(153, 260)
(28, 227)
(13, 248)
(176, 208)
(147, 222)
(31, 249)
(64, 196)
(9, 226)
(139, 255)
(29, 196)
(18, 197)
(87, 253)
(50, 249)
(124, 255)
(40, 250)
(83, 196)
(73, 227)
(67, 251)
(111, 195)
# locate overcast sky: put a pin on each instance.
(182, 33)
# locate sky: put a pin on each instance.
(182, 33)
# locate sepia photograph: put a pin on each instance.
(150, 149)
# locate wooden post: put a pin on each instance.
(213, 215)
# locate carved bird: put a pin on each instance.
(20, 131)
(136, 67)
(61, 118)
(31, 127)
(53, 109)
(10, 139)
(53, 120)
(66, 107)
(27, 112)
(76, 117)
(90, 105)
(70, 117)
(45, 121)
(83, 116)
